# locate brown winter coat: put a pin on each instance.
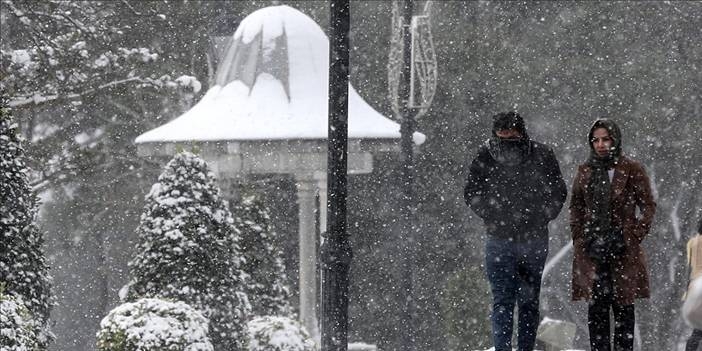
(630, 189)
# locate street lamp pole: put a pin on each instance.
(407, 129)
(336, 250)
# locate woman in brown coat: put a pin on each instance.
(609, 265)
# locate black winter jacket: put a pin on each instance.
(516, 202)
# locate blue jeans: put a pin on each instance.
(514, 271)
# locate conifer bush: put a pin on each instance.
(188, 250)
(19, 331)
(153, 324)
(263, 258)
(23, 269)
(275, 333)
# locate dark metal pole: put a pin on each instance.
(336, 250)
(407, 128)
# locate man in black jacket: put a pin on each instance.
(515, 185)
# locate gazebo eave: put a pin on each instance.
(299, 156)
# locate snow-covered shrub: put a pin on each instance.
(273, 333)
(263, 259)
(18, 330)
(23, 269)
(188, 250)
(153, 324)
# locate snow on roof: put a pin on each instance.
(272, 85)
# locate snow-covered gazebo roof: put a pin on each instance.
(271, 84)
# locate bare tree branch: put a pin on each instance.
(40, 100)
(135, 12)
(125, 109)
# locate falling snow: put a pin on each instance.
(89, 83)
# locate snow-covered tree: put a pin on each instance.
(188, 250)
(263, 261)
(78, 79)
(83, 80)
(153, 324)
(18, 329)
(274, 333)
(23, 269)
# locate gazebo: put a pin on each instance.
(267, 114)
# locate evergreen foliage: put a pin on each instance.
(19, 329)
(188, 250)
(263, 260)
(153, 324)
(272, 333)
(23, 269)
(84, 79)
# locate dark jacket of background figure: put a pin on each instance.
(630, 189)
(516, 202)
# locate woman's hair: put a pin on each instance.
(613, 131)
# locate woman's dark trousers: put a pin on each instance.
(514, 269)
(598, 316)
(694, 341)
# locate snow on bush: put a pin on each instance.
(263, 258)
(18, 330)
(188, 250)
(189, 82)
(273, 333)
(153, 324)
(23, 269)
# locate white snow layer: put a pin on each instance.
(152, 323)
(235, 111)
(267, 333)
